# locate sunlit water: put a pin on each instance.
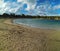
(38, 23)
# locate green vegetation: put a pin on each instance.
(12, 15)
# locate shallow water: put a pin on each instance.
(39, 23)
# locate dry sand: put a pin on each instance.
(25, 38)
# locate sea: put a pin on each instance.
(39, 23)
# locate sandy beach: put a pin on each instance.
(17, 37)
(27, 38)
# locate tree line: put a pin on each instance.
(12, 15)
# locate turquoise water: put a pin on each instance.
(38, 23)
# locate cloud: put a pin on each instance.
(9, 7)
(42, 9)
(2, 5)
(56, 7)
(30, 3)
(45, 9)
(1, 2)
(31, 9)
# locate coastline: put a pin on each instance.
(35, 39)
(33, 29)
(10, 21)
(46, 32)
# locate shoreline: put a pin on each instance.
(10, 21)
(14, 37)
(28, 37)
(37, 27)
(30, 29)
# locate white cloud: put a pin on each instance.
(1, 2)
(42, 9)
(46, 9)
(10, 7)
(30, 3)
(15, 7)
(56, 7)
(14, 10)
(2, 5)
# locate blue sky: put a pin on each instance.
(31, 7)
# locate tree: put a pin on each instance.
(5, 14)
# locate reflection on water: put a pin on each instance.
(45, 24)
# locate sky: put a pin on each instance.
(31, 7)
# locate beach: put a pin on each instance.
(24, 38)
